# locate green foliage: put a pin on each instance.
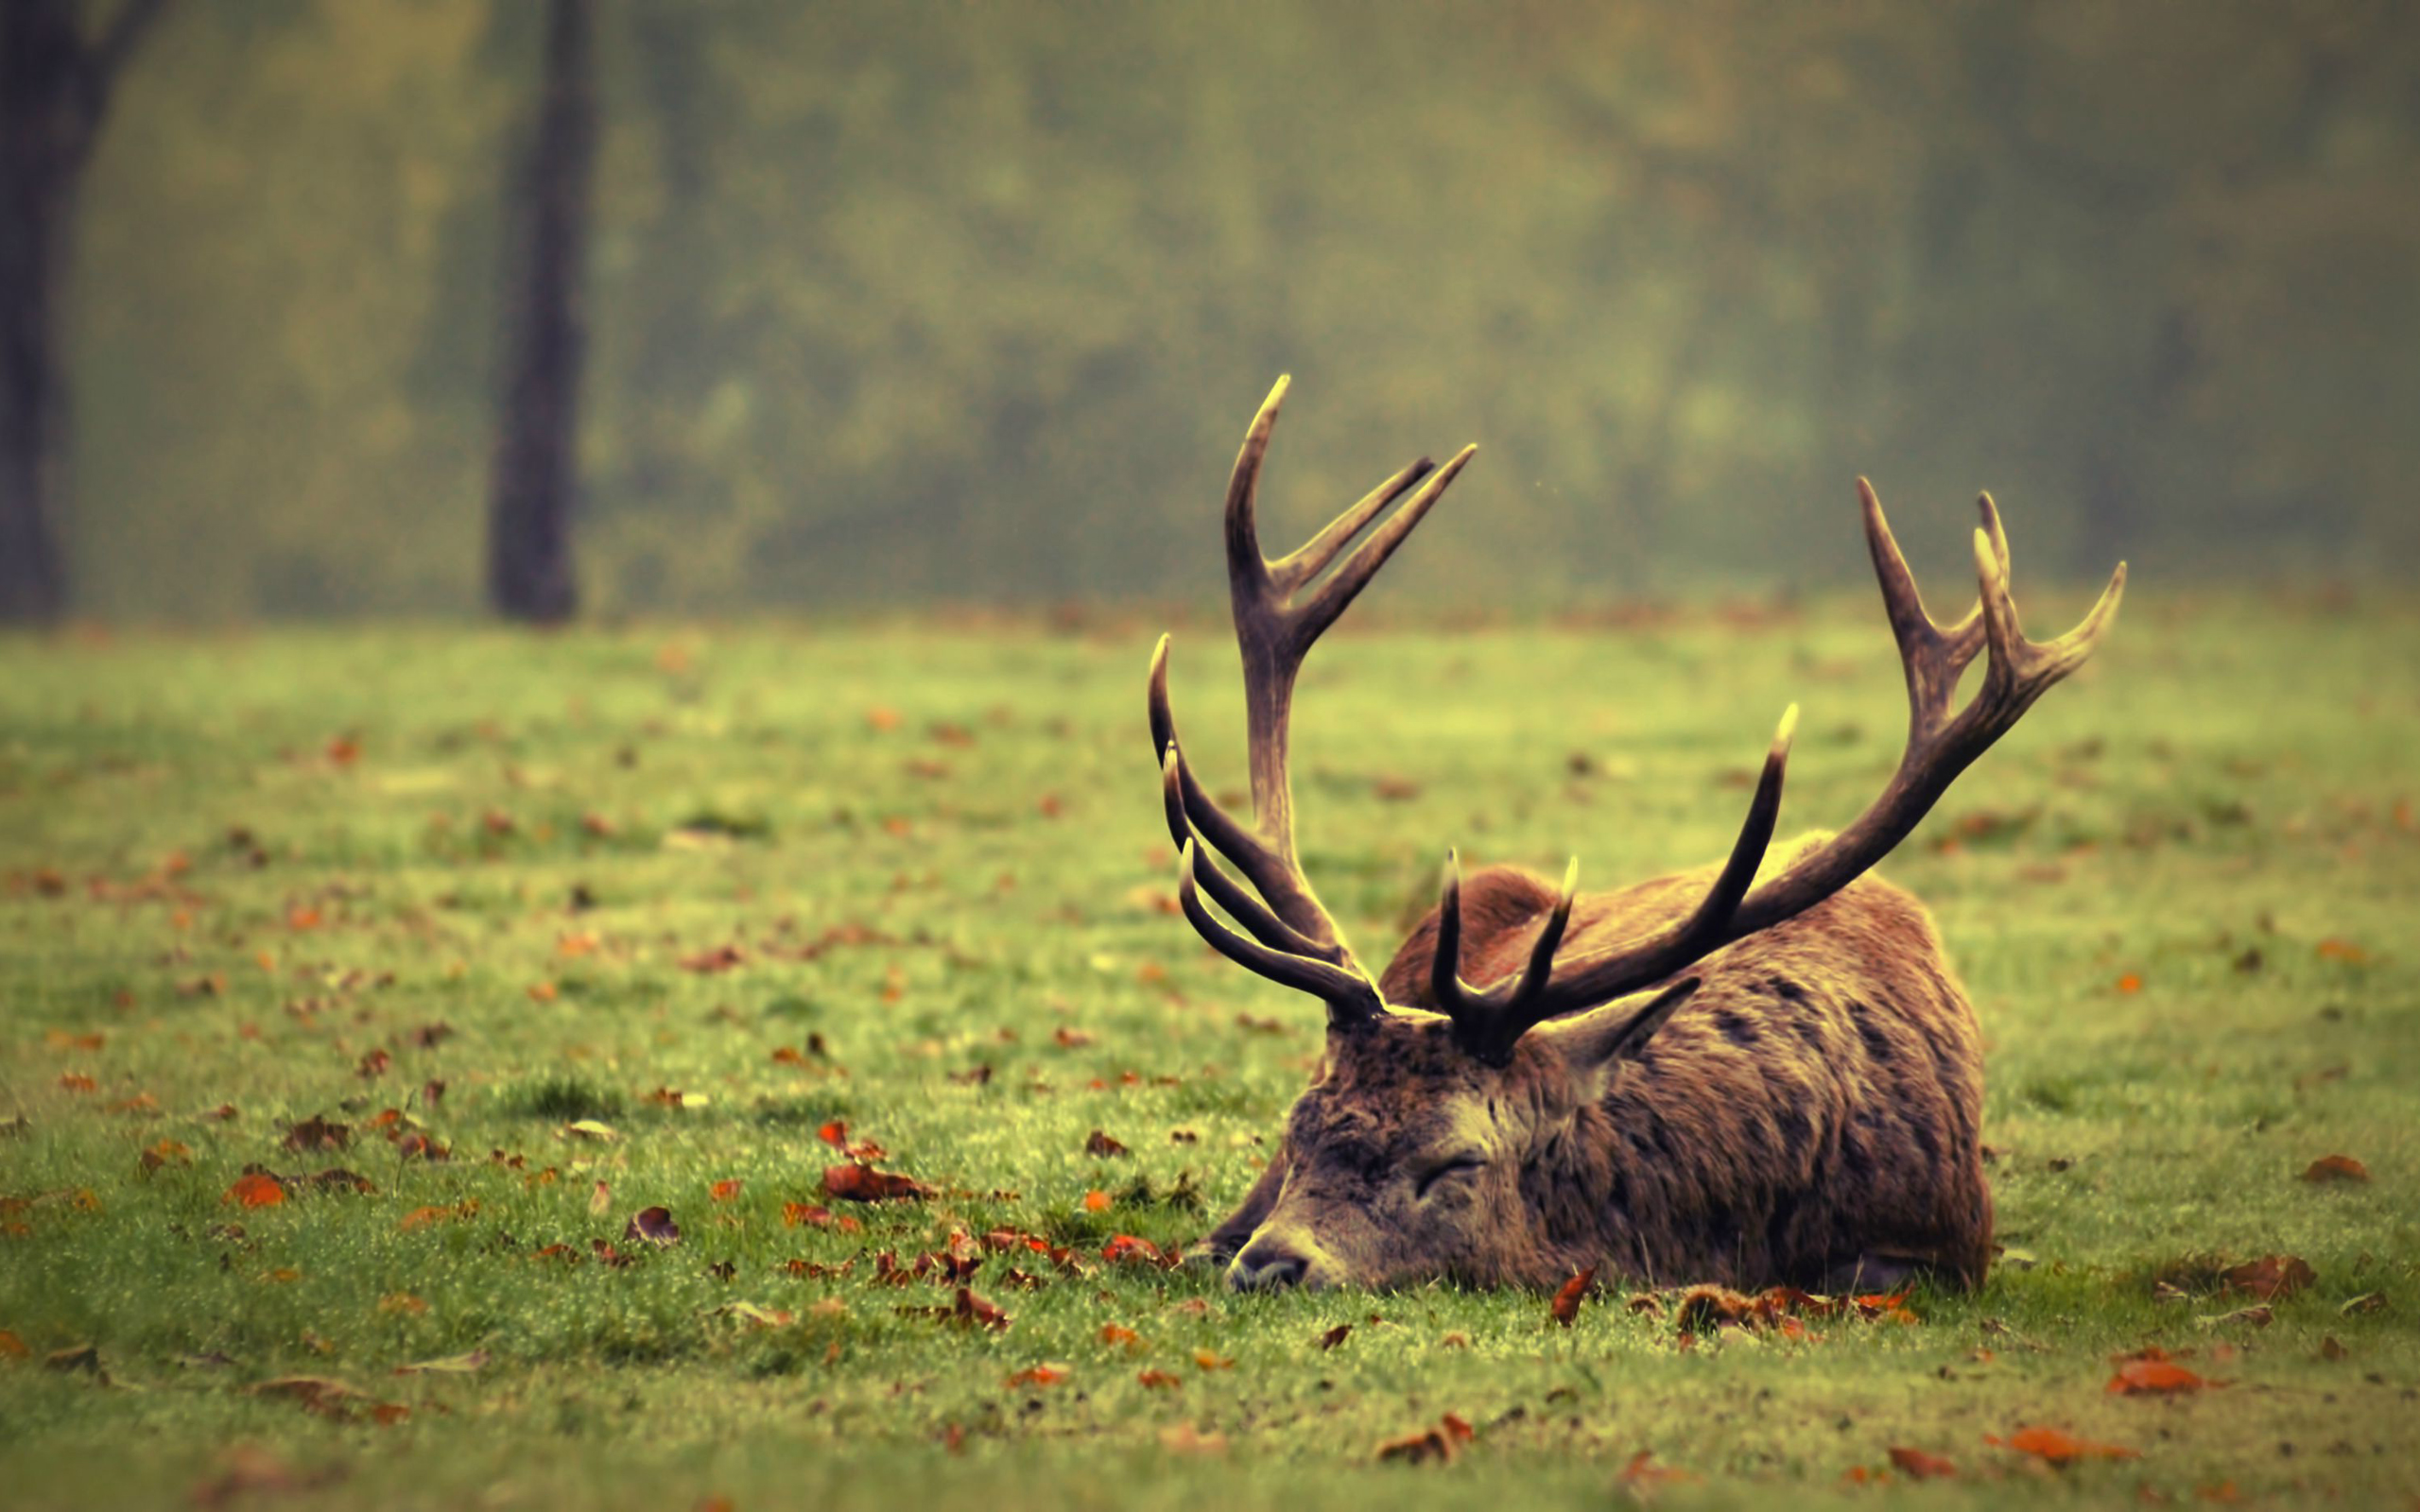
(242, 909)
(888, 306)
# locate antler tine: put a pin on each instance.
(1266, 869)
(1301, 565)
(1349, 994)
(1490, 1023)
(1293, 939)
(1940, 742)
(1229, 894)
(1332, 597)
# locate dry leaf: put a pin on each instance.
(2138, 1378)
(257, 1189)
(2272, 1277)
(1566, 1301)
(1917, 1464)
(862, 1183)
(2336, 1168)
(2057, 1447)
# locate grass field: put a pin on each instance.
(707, 891)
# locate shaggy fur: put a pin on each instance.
(1809, 1116)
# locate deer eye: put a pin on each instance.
(1458, 1165)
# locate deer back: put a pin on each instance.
(1816, 1103)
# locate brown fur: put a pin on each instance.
(1813, 1110)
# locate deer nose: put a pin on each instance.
(1266, 1264)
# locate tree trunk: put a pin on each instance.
(54, 92)
(537, 476)
(35, 195)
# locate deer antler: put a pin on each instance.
(1943, 741)
(1292, 938)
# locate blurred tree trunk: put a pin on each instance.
(54, 92)
(537, 465)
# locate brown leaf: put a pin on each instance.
(1098, 1144)
(1566, 1301)
(1123, 1248)
(709, 962)
(317, 1133)
(973, 1308)
(1335, 1336)
(257, 1189)
(2336, 1168)
(654, 1225)
(1642, 1473)
(1919, 1466)
(862, 1183)
(1423, 1447)
(2272, 1277)
(2058, 1447)
(2140, 1378)
(1039, 1375)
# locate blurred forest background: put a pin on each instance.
(935, 302)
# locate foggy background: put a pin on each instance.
(915, 303)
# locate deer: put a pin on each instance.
(1705, 1077)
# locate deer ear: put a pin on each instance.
(1595, 1042)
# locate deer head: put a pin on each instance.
(1428, 1142)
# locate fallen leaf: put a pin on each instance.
(1420, 1448)
(1335, 1336)
(1207, 1360)
(1160, 1381)
(706, 963)
(2272, 1277)
(1039, 1375)
(2131, 982)
(2366, 1302)
(862, 1183)
(1127, 1246)
(1921, 1465)
(2057, 1447)
(2336, 1168)
(723, 1190)
(1642, 1473)
(1566, 1301)
(167, 1153)
(589, 1128)
(2333, 949)
(452, 1364)
(320, 1394)
(654, 1225)
(1096, 1201)
(317, 1133)
(2138, 1378)
(1098, 1144)
(257, 1189)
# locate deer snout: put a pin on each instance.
(1272, 1261)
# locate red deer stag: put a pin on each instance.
(1801, 1107)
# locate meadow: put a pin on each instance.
(364, 991)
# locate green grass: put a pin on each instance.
(935, 847)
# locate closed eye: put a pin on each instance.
(1459, 1165)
